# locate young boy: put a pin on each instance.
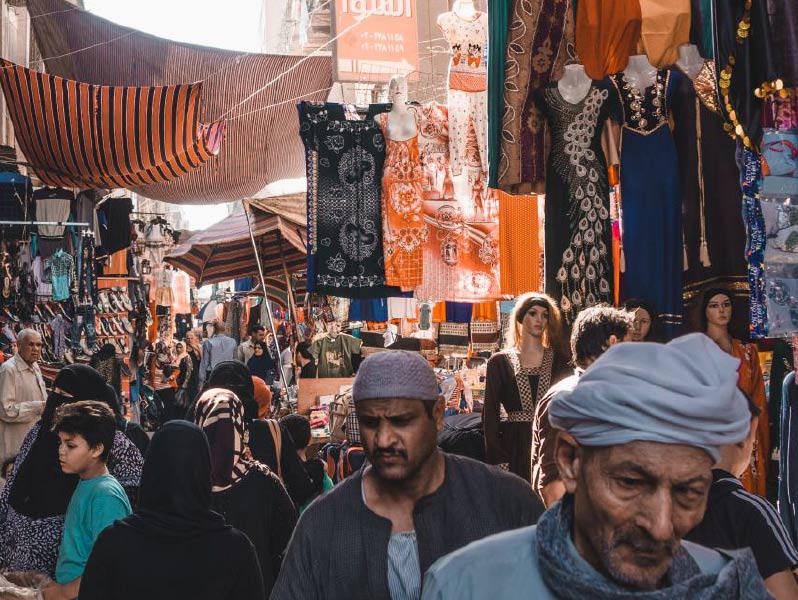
(86, 432)
(737, 519)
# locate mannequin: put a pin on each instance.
(335, 353)
(464, 9)
(640, 73)
(575, 84)
(402, 119)
(690, 60)
(517, 378)
(716, 314)
(403, 227)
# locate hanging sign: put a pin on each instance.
(375, 40)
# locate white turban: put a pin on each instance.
(684, 392)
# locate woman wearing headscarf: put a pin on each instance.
(246, 492)
(263, 396)
(105, 362)
(132, 431)
(187, 549)
(262, 364)
(35, 499)
(234, 376)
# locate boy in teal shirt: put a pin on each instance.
(86, 432)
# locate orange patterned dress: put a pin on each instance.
(751, 381)
(404, 231)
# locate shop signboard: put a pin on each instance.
(375, 40)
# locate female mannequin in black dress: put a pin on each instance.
(518, 377)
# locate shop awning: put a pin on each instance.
(76, 134)
(262, 144)
(224, 251)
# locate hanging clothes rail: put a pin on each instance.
(45, 223)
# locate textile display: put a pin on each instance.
(453, 339)
(539, 33)
(780, 162)
(606, 35)
(261, 144)
(578, 229)
(404, 231)
(750, 175)
(518, 238)
(433, 142)
(351, 153)
(665, 27)
(484, 336)
(498, 25)
(106, 127)
(652, 212)
(16, 203)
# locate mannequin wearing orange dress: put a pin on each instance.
(717, 313)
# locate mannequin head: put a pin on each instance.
(645, 327)
(716, 308)
(397, 90)
(534, 315)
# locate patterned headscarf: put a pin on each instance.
(220, 414)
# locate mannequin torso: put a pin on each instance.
(402, 119)
(575, 84)
(464, 9)
(690, 61)
(640, 73)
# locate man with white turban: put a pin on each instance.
(639, 436)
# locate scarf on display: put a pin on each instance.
(570, 577)
(39, 488)
(220, 414)
(174, 498)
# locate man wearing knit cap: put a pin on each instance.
(639, 435)
(375, 535)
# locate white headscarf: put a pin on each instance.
(684, 392)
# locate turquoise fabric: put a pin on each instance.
(505, 567)
(498, 23)
(95, 505)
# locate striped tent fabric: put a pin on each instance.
(81, 135)
(261, 145)
(224, 251)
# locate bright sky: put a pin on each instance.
(234, 25)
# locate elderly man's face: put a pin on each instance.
(633, 505)
(399, 436)
(30, 347)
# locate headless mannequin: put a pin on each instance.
(690, 60)
(640, 73)
(575, 84)
(465, 9)
(401, 120)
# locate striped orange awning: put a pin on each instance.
(255, 93)
(81, 135)
(224, 251)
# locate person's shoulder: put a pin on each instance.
(512, 553)
(340, 500)
(473, 471)
(755, 512)
(500, 358)
(9, 364)
(708, 560)
(107, 487)
(563, 385)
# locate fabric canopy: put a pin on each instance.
(224, 250)
(80, 135)
(261, 145)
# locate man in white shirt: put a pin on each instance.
(216, 349)
(247, 349)
(22, 393)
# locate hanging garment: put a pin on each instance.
(62, 269)
(520, 253)
(714, 236)
(403, 227)
(52, 205)
(540, 31)
(666, 26)
(784, 28)
(349, 255)
(98, 118)
(701, 27)
(333, 355)
(606, 35)
(578, 228)
(16, 204)
(433, 145)
(652, 231)
(181, 290)
(115, 235)
(498, 25)
(751, 381)
(467, 86)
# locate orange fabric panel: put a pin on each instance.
(485, 311)
(439, 312)
(666, 26)
(751, 381)
(117, 264)
(519, 254)
(607, 33)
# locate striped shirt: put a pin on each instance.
(737, 519)
(404, 571)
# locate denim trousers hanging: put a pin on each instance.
(84, 321)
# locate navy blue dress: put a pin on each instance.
(651, 199)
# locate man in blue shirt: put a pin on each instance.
(216, 349)
(638, 437)
(86, 432)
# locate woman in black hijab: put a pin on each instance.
(35, 499)
(233, 376)
(262, 364)
(187, 549)
(132, 430)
